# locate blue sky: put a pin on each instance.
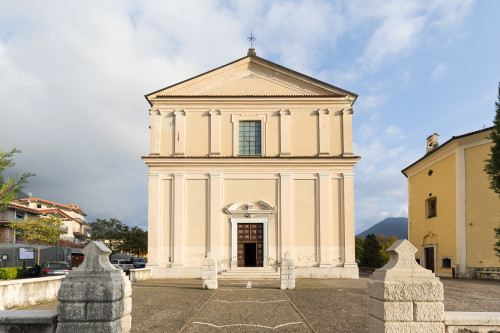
(73, 78)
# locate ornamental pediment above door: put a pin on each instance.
(250, 209)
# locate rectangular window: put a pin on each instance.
(446, 262)
(249, 138)
(19, 215)
(431, 207)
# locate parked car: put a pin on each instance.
(53, 268)
(123, 264)
(139, 262)
(30, 269)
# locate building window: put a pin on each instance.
(38, 206)
(19, 215)
(431, 207)
(445, 262)
(249, 138)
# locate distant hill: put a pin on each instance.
(391, 226)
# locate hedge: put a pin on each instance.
(10, 273)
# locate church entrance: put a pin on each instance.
(250, 245)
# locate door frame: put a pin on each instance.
(424, 257)
(234, 238)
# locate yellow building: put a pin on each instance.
(249, 161)
(452, 211)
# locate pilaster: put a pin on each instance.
(285, 214)
(155, 132)
(214, 133)
(348, 220)
(215, 221)
(179, 225)
(323, 131)
(347, 149)
(325, 230)
(180, 116)
(154, 223)
(284, 132)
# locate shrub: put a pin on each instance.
(10, 273)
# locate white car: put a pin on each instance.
(122, 264)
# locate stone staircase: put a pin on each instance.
(249, 273)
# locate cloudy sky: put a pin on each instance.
(73, 77)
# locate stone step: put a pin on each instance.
(249, 273)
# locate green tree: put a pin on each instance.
(492, 167)
(112, 232)
(497, 244)
(371, 256)
(359, 242)
(136, 242)
(385, 243)
(42, 230)
(10, 187)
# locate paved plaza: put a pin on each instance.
(316, 305)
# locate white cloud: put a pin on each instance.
(439, 72)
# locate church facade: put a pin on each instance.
(249, 161)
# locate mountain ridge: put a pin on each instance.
(390, 226)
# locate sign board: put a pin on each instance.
(26, 253)
(4, 257)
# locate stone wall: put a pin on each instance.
(472, 322)
(140, 274)
(24, 292)
(26, 321)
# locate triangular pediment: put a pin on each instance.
(251, 76)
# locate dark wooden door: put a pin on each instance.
(429, 258)
(250, 233)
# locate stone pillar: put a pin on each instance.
(209, 272)
(95, 297)
(287, 272)
(403, 296)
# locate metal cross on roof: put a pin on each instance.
(251, 38)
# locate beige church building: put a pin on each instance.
(249, 161)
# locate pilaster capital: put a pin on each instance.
(215, 174)
(286, 175)
(347, 111)
(214, 113)
(324, 174)
(348, 174)
(285, 112)
(153, 175)
(178, 175)
(323, 112)
(179, 113)
(154, 112)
